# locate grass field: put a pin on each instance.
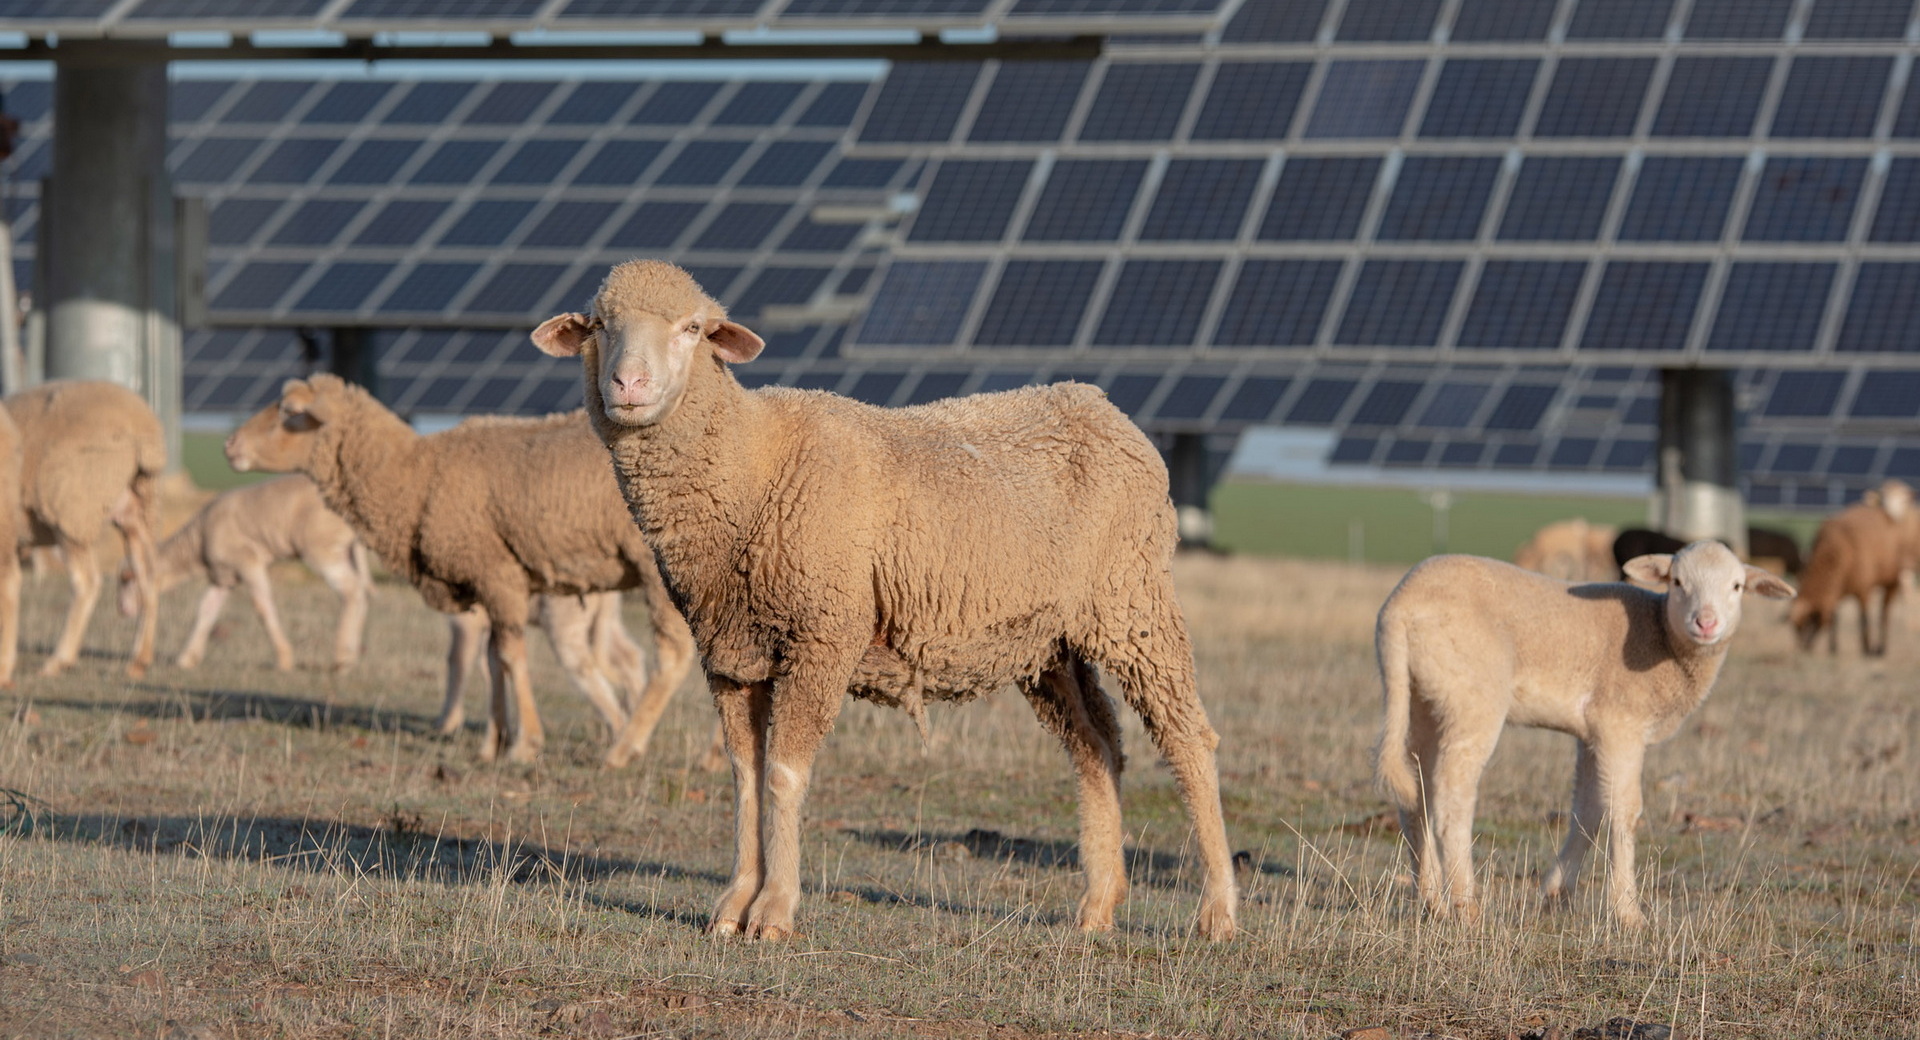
(236, 852)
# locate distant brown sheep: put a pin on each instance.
(1571, 550)
(1863, 548)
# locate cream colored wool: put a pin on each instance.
(90, 454)
(1467, 645)
(822, 546)
(11, 526)
(1864, 548)
(486, 514)
(1571, 550)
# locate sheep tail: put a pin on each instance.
(1394, 765)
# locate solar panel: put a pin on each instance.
(1884, 312)
(1364, 98)
(1480, 97)
(1887, 395)
(401, 222)
(1521, 407)
(1480, 21)
(1620, 20)
(1400, 303)
(971, 200)
(1320, 198)
(488, 222)
(922, 304)
(317, 222)
(1559, 198)
(454, 162)
(236, 221)
(592, 103)
(1139, 101)
(428, 288)
(1388, 20)
(1771, 306)
(1522, 304)
(1738, 19)
(1085, 200)
(1594, 97)
(1805, 199)
(1858, 20)
(1275, 21)
(1038, 303)
(1453, 405)
(1646, 305)
(1029, 101)
(702, 163)
(1712, 96)
(620, 162)
(759, 104)
(741, 226)
(1681, 199)
(569, 225)
(1251, 100)
(1277, 303)
(538, 161)
(266, 102)
(1202, 199)
(1439, 197)
(655, 225)
(920, 101)
(509, 102)
(516, 288)
(374, 161)
(1805, 394)
(1158, 303)
(344, 286)
(428, 102)
(1832, 96)
(294, 160)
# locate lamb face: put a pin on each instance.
(1705, 582)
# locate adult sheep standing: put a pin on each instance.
(1866, 547)
(822, 546)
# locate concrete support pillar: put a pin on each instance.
(1699, 457)
(1190, 479)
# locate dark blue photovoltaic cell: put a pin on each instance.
(343, 286)
(1805, 199)
(1190, 397)
(1644, 306)
(428, 288)
(266, 101)
(1275, 21)
(1852, 459)
(1038, 303)
(348, 101)
(1479, 97)
(845, 8)
(213, 160)
(488, 222)
(1251, 101)
(234, 221)
(1795, 458)
(568, 225)
(1400, 21)
(675, 103)
(1511, 456)
(1858, 20)
(455, 162)
(374, 161)
(401, 223)
(1399, 303)
(1386, 403)
(1884, 312)
(1629, 453)
(1319, 199)
(429, 102)
(1202, 200)
(758, 103)
(593, 103)
(862, 173)
(655, 225)
(1453, 406)
(187, 101)
(1559, 199)
(538, 161)
(440, 9)
(1738, 19)
(509, 102)
(619, 162)
(922, 303)
(1573, 452)
(1620, 20)
(1521, 407)
(1678, 199)
(1405, 451)
(779, 286)
(920, 101)
(1898, 217)
(809, 237)
(1029, 101)
(876, 388)
(1594, 97)
(1439, 198)
(1277, 303)
(660, 8)
(785, 164)
(1139, 101)
(258, 286)
(294, 160)
(835, 105)
(1771, 306)
(1464, 454)
(935, 386)
(1157, 303)
(702, 163)
(1887, 395)
(1522, 304)
(1712, 96)
(1364, 98)
(741, 225)
(1255, 398)
(1320, 401)
(970, 200)
(1832, 96)
(517, 288)
(316, 222)
(1353, 450)
(1086, 200)
(1805, 394)
(1488, 20)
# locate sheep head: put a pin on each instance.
(649, 325)
(1704, 584)
(280, 437)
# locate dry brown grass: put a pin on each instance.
(243, 853)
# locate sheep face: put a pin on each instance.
(1704, 583)
(279, 437)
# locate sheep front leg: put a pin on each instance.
(1620, 763)
(345, 580)
(1076, 710)
(672, 658)
(509, 654)
(260, 590)
(208, 613)
(568, 621)
(745, 709)
(805, 703)
(9, 614)
(1589, 809)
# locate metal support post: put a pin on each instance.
(1189, 481)
(1699, 457)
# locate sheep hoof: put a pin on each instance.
(523, 754)
(617, 758)
(1630, 919)
(136, 670)
(771, 932)
(51, 669)
(1216, 924)
(723, 926)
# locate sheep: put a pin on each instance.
(1865, 547)
(1571, 550)
(91, 452)
(10, 562)
(234, 538)
(821, 546)
(1466, 644)
(1762, 544)
(488, 513)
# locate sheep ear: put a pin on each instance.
(298, 398)
(1651, 569)
(1761, 583)
(562, 335)
(735, 343)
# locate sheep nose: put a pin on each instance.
(628, 389)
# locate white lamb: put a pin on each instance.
(1468, 644)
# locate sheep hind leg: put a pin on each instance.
(466, 632)
(745, 710)
(1416, 821)
(1070, 703)
(132, 516)
(568, 621)
(260, 591)
(528, 736)
(9, 615)
(85, 578)
(350, 630)
(1459, 761)
(1589, 810)
(205, 617)
(672, 658)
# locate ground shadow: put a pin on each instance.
(1144, 866)
(166, 702)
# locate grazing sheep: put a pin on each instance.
(486, 514)
(1468, 644)
(234, 538)
(10, 563)
(91, 453)
(1571, 550)
(1763, 544)
(821, 546)
(1865, 547)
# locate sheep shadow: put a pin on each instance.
(1144, 866)
(166, 702)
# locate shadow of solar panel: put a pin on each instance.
(187, 100)
(676, 103)
(428, 288)
(1738, 19)
(1794, 458)
(1887, 394)
(1858, 20)
(517, 288)
(1254, 400)
(741, 226)
(1804, 199)
(455, 162)
(317, 222)
(1353, 450)
(1386, 403)
(1364, 98)
(1399, 303)
(236, 221)
(862, 173)
(655, 225)
(1771, 306)
(1202, 200)
(1251, 101)
(1884, 311)
(593, 103)
(1522, 304)
(1388, 20)
(1453, 406)
(1491, 20)
(934, 386)
(343, 286)
(1805, 395)
(1479, 97)
(1157, 303)
(509, 101)
(1319, 199)
(214, 160)
(570, 225)
(1559, 198)
(1320, 401)
(1085, 200)
(922, 303)
(258, 286)
(1832, 96)
(1029, 101)
(429, 102)
(1404, 451)
(702, 163)
(970, 200)
(402, 222)
(1139, 101)
(1277, 303)
(876, 388)
(920, 101)
(294, 160)
(538, 161)
(759, 103)
(808, 236)
(1594, 97)
(1681, 199)
(1644, 306)
(266, 101)
(1573, 452)
(785, 164)
(620, 162)
(488, 222)
(1275, 21)
(374, 161)
(1038, 303)
(1439, 198)
(1712, 96)
(779, 286)
(835, 105)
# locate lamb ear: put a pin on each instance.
(735, 343)
(1651, 569)
(562, 335)
(1761, 583)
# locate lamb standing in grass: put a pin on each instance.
(488, 513)
(234, 539)
(1468, 644)
(822, 546)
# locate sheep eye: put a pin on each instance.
(1737, 586)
